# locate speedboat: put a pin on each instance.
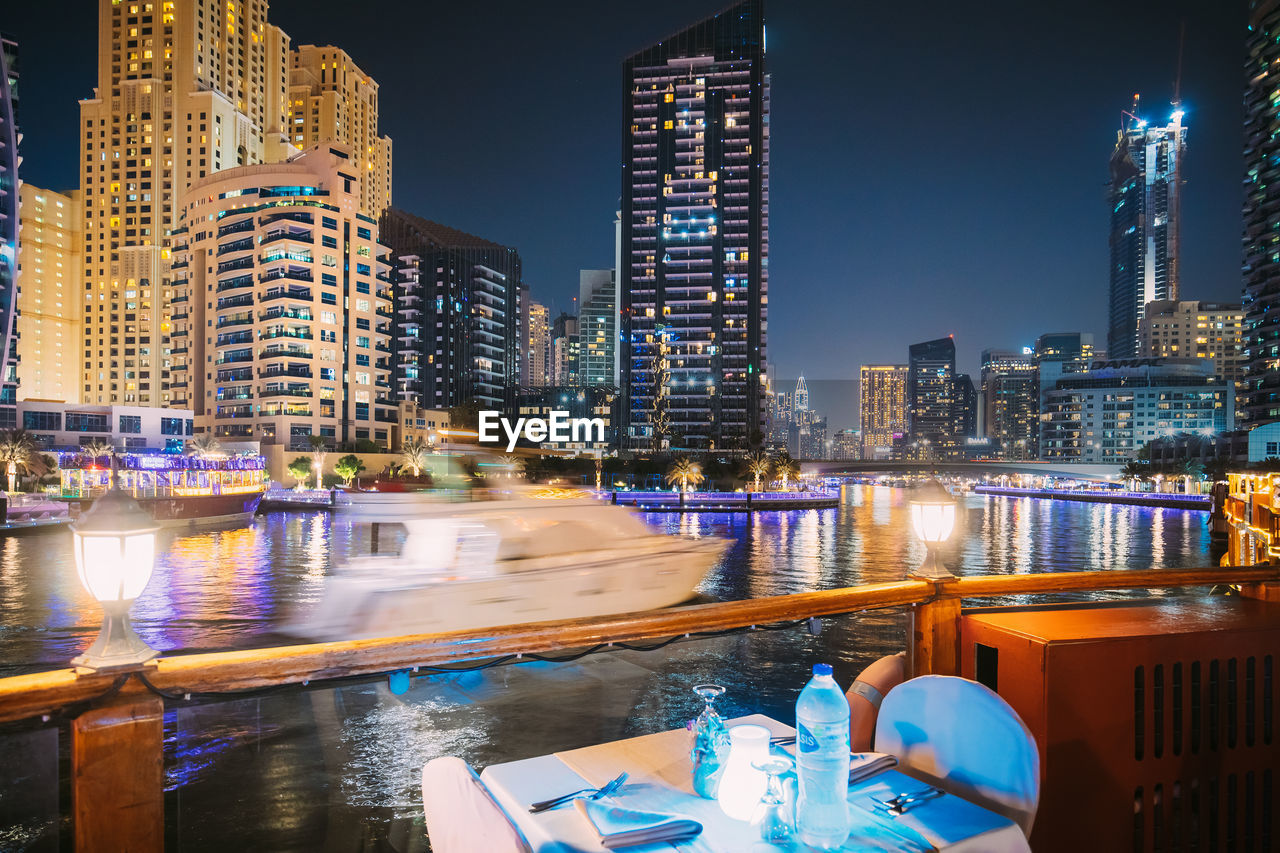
(487, 563)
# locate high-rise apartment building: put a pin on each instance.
(49, 251)
(332, 100)
(1145, 198)
(695, 234)
(931, 398)
(9, 224)
(780, 417)
(846, 445)
(598, 328)
(1261, 262)
(882, 408)
(184, 88)
(282, 305)
(564, 351)
(457, 315)
(1107, 413)
(966, 408)
(1011, 402)
(535, 369)
(1057, 355)
(1211, 330)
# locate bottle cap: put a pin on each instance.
(822, 669)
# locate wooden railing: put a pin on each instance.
(117, 718)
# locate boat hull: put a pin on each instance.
(355, 607)
(190, 510)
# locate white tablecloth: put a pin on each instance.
(659, 781)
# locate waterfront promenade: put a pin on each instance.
(1152, 499)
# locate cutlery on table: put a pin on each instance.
(902, 803)
(782, 740)
(586, 793)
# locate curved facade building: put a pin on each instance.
(282, 306)
(9, 161)
(1261, 259)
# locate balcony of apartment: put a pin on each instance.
(239, 393)
(235, 320)
(296, 334)
(385, 312)
(295, 236)
(233, 412)
(283, 258)
(182, 350)
(178, 333)
(179, 366)
(246, 224)
(242, 374)
(286, 274)
(244, 262)
(303, 216)
(233, 431)
(235, 301)
(242, 337)
(285, 391)
(283, 352)
(179, 316)
(182, 384)
(239, 357)
(177, 299)
(236, 283)
(286, 410)
(285, 314)
(294, 370)
(243, 245)
(181, 264)
(298, 294)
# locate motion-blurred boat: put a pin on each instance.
(489, 563)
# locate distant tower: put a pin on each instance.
(802, 396)
(1145, 198)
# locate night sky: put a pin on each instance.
(935, 170)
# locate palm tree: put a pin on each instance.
(97, 448)
(318, 448)
(1192, 469)
(787, 468)
(759, 465)
(205, 446)
(684, 471)
(414, 452)
(17, 449)
(1135, 470)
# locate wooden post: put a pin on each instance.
(117, 775)
(1261, 590)
(934, 641)
(374, 528)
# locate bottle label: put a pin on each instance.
(812, 739)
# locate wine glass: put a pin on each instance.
(710, 742)
(776, 821)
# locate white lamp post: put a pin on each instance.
(115, 549)
(933, 515)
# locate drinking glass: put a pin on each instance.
(776, 822)
(710, 743)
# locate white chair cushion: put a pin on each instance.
(462, 816)
(964, 738)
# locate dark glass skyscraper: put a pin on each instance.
(695, 235)
(9, 161)
(1261, 261)
(1146, 188)
(457, 315)
(931, 398)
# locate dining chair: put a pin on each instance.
(962, 737)
(462, 816)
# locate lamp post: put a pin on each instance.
(933, 516)
(115, 546)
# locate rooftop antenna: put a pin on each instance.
(1177, 80)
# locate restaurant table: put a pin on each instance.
(659, 781)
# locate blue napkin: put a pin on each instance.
(618, 827)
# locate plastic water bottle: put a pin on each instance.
(822, 761)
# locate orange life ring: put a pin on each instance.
(866, 694)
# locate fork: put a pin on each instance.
(902, 803)
(586, 793)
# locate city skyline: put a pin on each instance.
(977, 299)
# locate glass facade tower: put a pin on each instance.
(693, 274)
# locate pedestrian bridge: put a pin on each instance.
(855, 467)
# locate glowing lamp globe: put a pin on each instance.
(115, 549)
(741, 784)
(933, 516)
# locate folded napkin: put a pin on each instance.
(619, 827)
(864, 765)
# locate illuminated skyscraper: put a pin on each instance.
(597, 328)
(1011, 402)
(9, 223)
(882, 408)
(1145, 197)
(332, 100)
(931, 397)
(695, 233)
(1261, 402)
(535, 370)
(49, 300)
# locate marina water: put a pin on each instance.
(339, 767)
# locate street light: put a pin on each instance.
(933, 515)
(115, 549)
